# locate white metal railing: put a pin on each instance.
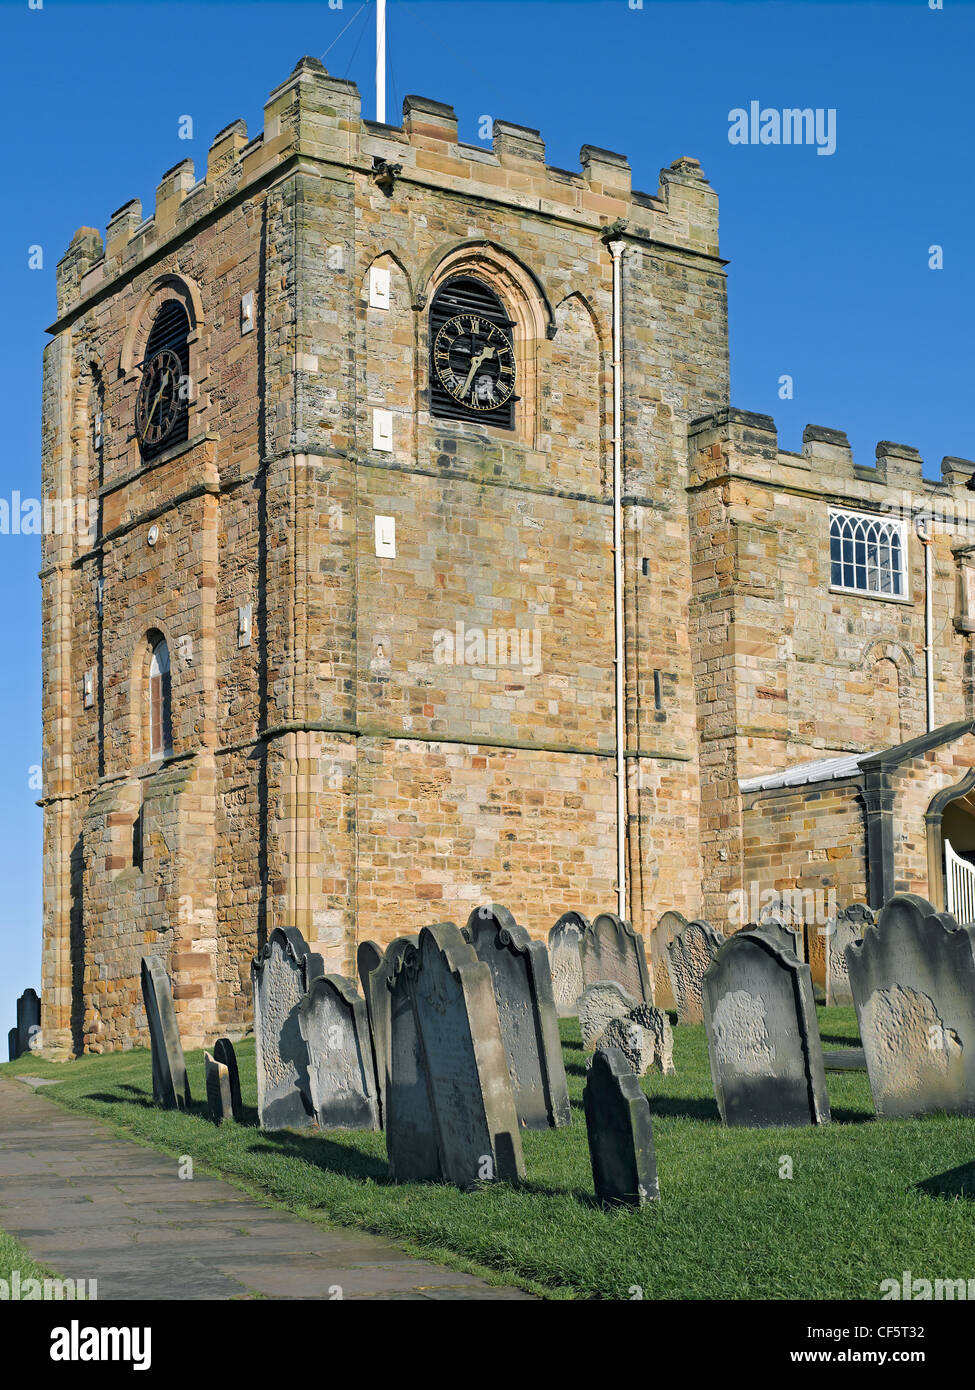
(960, 885)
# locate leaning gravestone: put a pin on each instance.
(763, 1037)
(280, 975)
(526, 1012)
(334, 1024)
(450, 1113)
(645, 1038)
(624, 1168)
(170, 1084)
(612, 950)
(841, 931)
(28, 1019)
(220, 1103)
(913, 982)
(223, 1052)
(600, 1004)
(691, 952)
(368, 958)
(662, 935)
(566, 962)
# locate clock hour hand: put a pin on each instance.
(476, 362)
(162, 387)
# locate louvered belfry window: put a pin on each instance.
(466, 295)
(171, 330)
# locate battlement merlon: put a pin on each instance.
(733, 443)
(316, 119)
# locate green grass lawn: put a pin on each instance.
(13, 1256)
(867, 1199)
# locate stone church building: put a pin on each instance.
(358, 412)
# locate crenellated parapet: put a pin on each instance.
(315, 119)
(733, 443)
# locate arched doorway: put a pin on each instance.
(950, 823)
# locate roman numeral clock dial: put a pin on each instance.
(475, 362)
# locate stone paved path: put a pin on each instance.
(91, 1205)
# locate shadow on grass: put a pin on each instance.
(841, 1116)
(956, 1182)
(843, 1039)
(686, 1107)
(319, 1152)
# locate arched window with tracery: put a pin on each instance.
(160, 701)
(867, 553)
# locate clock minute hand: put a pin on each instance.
(162, 387)
(476, 362)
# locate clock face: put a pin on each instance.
(475, 362)
(159, 405)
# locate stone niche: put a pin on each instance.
(913, 982)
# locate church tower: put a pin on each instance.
(337, 649)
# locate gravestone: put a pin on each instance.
(368, 958)
(334, 1024)
(220, 1101)
(280, 975)
(645, 1038)
(612, 950)
(223, 1052)
(663, 934)
(780, 931)
(450, 1113)
(170, 1084)
(841, 931)
(763, 1037)
(600, 1004)
(13, 1045)
(913, 982)
(624, 1168)
(526, 1013)
(690, 953)
(28, 1019)
(566, 962)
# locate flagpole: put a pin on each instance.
(381, 61)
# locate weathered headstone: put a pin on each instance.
(645, 1038)
(220, 1102)
(28, 1019)
(603, 1001)
(660, 938)
(780, 931)
(763, 1037)
(333, 1022)
(913, 982)
(522, 984)
(612, 950)
(280, 975)
(368, 959)
(841, 931)
(566, 962)
(690, 953)
(624, 1167)
(223, 1052)
(13, 1045)
(450, 1113)
(170, 1084)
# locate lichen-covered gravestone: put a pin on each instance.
(620, 1133)
(763, 1038)
(223, 1052)
(612, 950)
(603, 1001)
(841, 931)
(450, 1115)
(280, 975)
(662, 935)
(566, 962)
(913, 982)
(690, 953)
(170, 1084)
(333, 1022)
(526, 1013)
(220, 1104)
(645, 1038)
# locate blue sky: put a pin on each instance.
(829, 275)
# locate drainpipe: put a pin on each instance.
(922, 526)
(616, 248)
